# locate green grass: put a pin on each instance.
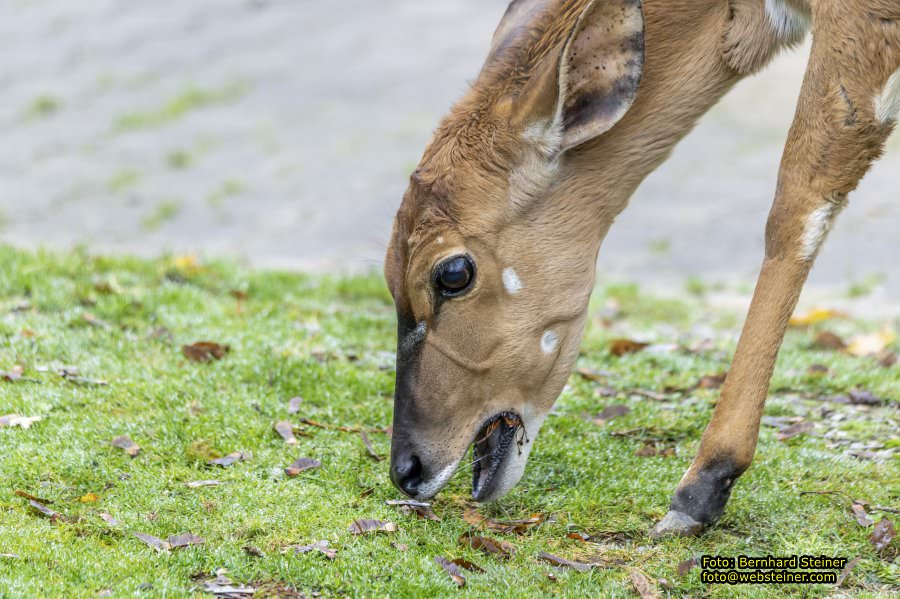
(162, 213)
(330, 340)
(123, 180)
(42, 106)
(187, 101)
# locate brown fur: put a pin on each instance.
(498, 182)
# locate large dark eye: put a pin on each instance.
(454, 276)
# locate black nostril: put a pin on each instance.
(406, 472)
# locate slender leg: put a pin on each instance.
(839, 129)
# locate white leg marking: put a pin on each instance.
(511, 281)
(887, 105)
(790, 24)
(818, 224)
(549, 341)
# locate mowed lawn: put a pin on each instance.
(93, 348)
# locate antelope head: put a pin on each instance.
(492, 257)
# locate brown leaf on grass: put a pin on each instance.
(108, 518)
(655, 396)
(488, 546)
(642, 585)
(364, 525)
(94, 321)
(650, 450)
(227, 460)
(43, 509)
(861, 397)
(196, 484)
(253, 550)
(301, 464)
(15, 373)
(368, 445)
(185, 540)
(452, 570)
(686, 566)
(70, 374)
(467, 565)
(320, 546)
(125, 443)
(399, 546)
(621, 347)
(882, 535)
(711, 381)
(579, 536)
(89, 498)
(286, 430)
(12, 420)
(222, 586)
(294, 405)
(31, 497)
(792, 431)
(205, 351)
(846, 572)
(597, 376)
(420, 508)
(561, 562)
(610, 412)
(519, 527)
(886, 358)
(826, 340)
(862, 518)
(152, 541)
(817, 370)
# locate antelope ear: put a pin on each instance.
(583, 90)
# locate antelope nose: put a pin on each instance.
(406, 473)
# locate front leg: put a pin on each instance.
(846, 110)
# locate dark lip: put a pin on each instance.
(498, 440)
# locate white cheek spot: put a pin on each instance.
(887, 104)
(511, 281)
(789, 24)
(818, 224)
(549, 341)
(440, 239)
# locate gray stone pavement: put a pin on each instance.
(281, 132)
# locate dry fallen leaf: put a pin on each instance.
(829, 341)
(420, 508)
(301, 464)
(817, 370)
(125, 443)
(796, 429)
(31, 497)
(294, 405)
(846, 572)
(650, 450)
(14, 374)
(227, 460)
(320, 546)
(561, 562)
(814, 316)
(620, 347)
(871, 344)
(185, 540)
(862, 518)
(452, 570)
(493, 547)
(43, 509)
(205, 351)
(520, 527)
(108, 518)
(363, 525)
(286, 430)
(196, 484)
(687, 565)
(598, 376)
(152, 541)
(20, 421)
(368, 445)
(711, 381)
(642, 585)
(466, 564)
(882, 535)
(222, 586)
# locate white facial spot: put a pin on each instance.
(789, 24)
(511, 281)
(440, 239)
(549, 341)
(887, 104)
(818, 224)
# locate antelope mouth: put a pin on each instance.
(491, 450)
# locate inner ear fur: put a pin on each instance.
(580, 91)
